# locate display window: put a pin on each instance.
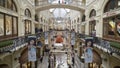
(9, 4)
(8, 24)
(15, 29)
(92, 23)
(111, 27)
(1, 24)
(28, 25)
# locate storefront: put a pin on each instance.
(97, 61)
(24, 59)
(28, 23)
(8, 21)
(92, 23)
(83, 24)
(111, 20)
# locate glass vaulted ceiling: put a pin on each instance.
(60, 1)
(59, 13)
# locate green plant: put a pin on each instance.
(115, 44)
(6, 43)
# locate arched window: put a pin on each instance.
(111, 5)
(78, 20)
(92, 13)
(28, 25)
(41, 19)
(8, 4)
(111, 25)
(92, 23)
(83, 18)
(27, 13)
(36, 17)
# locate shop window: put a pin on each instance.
(74, 21)
(41, 19)
(15, 25)
(2, 3)
(118, 25)
(28, 22)
(9, 4)
(92, 24)
(83, 29)
(109, 26)
(112, 26)
(8, 23)
(27, 27)
(92, 28)
(83, 18)
(78, 20)
(1, 24)
(118, 3)
(14, 7)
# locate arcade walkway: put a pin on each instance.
(61, 58)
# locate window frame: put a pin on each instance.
(27, 23)
(6, 5)
(107, 7)
(10, 35)
(105, 24)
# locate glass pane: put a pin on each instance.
(14, 25)
(9, 4)
(8, 23)
(105, 29)
(29, 27)
(26, 27)
(119, 3)
(2, 2)
(118, 28)
(59, 1)
(1, 24)
(27, 13)
(14, 8)
(111, 27)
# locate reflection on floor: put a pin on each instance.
(61, 60)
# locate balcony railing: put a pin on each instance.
(103, 44)
(14, 44)
(11, 44)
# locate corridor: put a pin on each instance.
(60, 56)
(59, 33)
